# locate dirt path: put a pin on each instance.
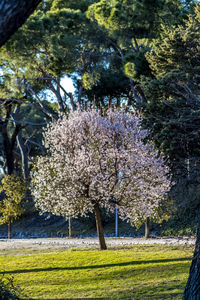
(65, 243)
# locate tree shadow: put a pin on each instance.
(97, 266)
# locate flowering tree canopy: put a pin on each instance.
(99, 161)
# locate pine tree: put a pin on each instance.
(172, 109)
(172, 112)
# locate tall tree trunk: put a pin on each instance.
(118, 101)
(24, 156)
(109, 102)
(8, 146)
(147, 228)
(116, 223)
(13, 13)
(192, 289)
(102, 243)
(70, 227)
(9, 156)
(9, 230)
(9, 143)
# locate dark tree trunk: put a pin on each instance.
(9, 230)
(13, 13)
(8, 144)
(118, 102)
(192, 289)
(147, 228)
(102, 243)
(8, 152)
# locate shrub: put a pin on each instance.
(8, 289)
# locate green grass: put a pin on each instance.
(152, 271)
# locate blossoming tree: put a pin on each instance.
(98, 161)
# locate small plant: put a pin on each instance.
(8, 289)
(14, 190)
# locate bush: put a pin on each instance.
(8, 289)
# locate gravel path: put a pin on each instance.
(65, 243)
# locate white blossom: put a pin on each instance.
(99, 159)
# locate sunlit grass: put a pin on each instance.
(138, 271)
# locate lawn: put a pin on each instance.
(142, 272)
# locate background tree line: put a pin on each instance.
(117, 53)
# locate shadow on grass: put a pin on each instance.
(98, 266)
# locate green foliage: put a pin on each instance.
(181, 225)
(131, 18)
(89, 80)
(42, 44)
(126, 19)
(14, 190)
(174, 92)
(172, 110)
(137, 65)
(8, 289)
(111, 85)
(70, 37)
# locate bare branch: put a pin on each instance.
(28, 139)
(45, 111)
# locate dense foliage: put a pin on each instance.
(11, 207)
(172, 110)
(8, 289)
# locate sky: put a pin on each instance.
(68, 84)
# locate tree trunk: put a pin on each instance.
(9, 230)
(147, 228)
(70, 227)
(9, 142)
(102, 243)
(116, 223)
(13, 13)
(7, 148)
(24, 157)
(9, 155)
(192, 289)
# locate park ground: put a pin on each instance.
(55, 269)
